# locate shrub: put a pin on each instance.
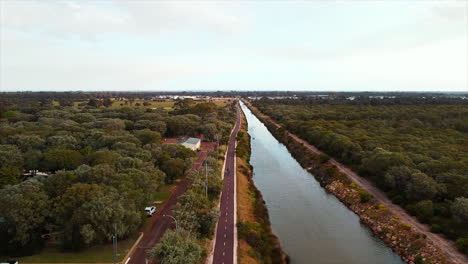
(462, 244)
(418, 259)
(365, 196)
(323, 158)
(435, 228)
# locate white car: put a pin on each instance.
(150, 210)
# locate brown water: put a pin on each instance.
(312, 225)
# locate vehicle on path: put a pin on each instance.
(150, 210)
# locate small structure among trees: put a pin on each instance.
(191, 143)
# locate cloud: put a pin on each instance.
(88, 19)
(60, 19)
(169, 15)
(29, 63)
(450, 11)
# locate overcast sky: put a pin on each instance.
(401, 45)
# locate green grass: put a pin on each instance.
(164, 192)
(75, 104)
(101, 253)
(10, 113)
(116, 104)
(220, 104)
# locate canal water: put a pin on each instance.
(312, 225)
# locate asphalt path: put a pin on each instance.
(225, 234)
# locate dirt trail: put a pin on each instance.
(446, 245)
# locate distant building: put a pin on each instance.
(191, 143)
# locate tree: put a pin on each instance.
(421, 187)
(423, 210)
(10, 155)
(203, 109)
(32, 160)
(24, 208)
(174, 168)
(107, 102)
(94, 102)
(26, 142)
(59, 182)
(380, 160)
(63, 142)
(113, 124)
(101, 218)
(398, 177)
(83, 118)
(209, 130)
(104, 157)
(177, 247)
(184, 104)
(460, 210)
(2, 109)
(59, 159)
(148, 137)
(9, 175)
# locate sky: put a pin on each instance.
(144, 45)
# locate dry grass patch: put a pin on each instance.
(244, 193)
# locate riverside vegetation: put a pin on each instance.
(412, 246)
(414, 149)
(257, 243)
(104, 166)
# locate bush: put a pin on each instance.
(423, 210)
(323, 158)
(435, 228)
(462, 245)
(365, 196)
(418, 259)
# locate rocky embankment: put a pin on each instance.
(411, 245)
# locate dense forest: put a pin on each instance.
(416, 152)
(86, 173)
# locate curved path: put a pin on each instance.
(445, 245)
(225, 249)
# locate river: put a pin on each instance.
(313, 226)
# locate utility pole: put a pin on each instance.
(206, 178)
(217, 137)
(114, 247)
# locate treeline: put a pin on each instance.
(196, 214)
(103, 165)
(417, 154)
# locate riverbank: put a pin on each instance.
(411, 242)
(257, 243)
